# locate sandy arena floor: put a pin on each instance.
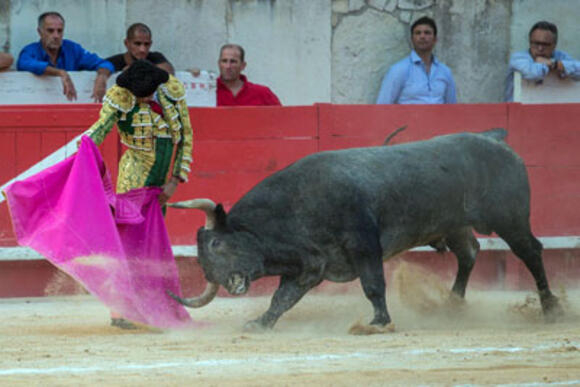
(495, 338)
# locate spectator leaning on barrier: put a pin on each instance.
(54, 56)
(419, 78)
(138, 43)
(6, 61)
(148, 107)
(541, 58)
(233, 88)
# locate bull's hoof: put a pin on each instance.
(455, 301)
(359, 329)
(255, 326)
(552, 309)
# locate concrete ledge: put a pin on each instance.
(18, 253)
(552, 89)
(24, 88)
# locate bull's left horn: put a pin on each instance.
(197, 302)
(206, 205)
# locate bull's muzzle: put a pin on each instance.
(238, 284)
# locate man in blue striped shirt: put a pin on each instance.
(419, 78)
(54, 56)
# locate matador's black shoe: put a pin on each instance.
(122, 323)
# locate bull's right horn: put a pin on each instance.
(197, 302)
(206, 205)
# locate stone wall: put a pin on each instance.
(468, 31)
(310, 51)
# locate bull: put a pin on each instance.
(336, 215)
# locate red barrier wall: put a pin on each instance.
(234, 148)
(343, 126)
(547, 137)
(29, 133)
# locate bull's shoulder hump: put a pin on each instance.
(492, 137)
(457, 141)
(497, 133)
(347, 153)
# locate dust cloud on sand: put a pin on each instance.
(61, 283)
(495, 337)
(422, 294)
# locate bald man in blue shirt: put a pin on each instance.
(419, 78)
(54, 56)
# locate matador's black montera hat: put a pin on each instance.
(142, 78)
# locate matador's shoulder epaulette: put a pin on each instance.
(120, 98)
(173, 89)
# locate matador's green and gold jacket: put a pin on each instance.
(147, 133)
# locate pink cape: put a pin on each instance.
(117, 246)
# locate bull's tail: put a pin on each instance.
(498, 134)
(390, 136)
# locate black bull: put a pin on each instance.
(337, 215)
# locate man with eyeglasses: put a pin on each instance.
(541, 59)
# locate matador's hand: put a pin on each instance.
(168, 190)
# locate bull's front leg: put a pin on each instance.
(290, 291)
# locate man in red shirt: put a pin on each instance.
(233, 88)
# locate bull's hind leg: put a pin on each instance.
(529, 250)
(465, 247)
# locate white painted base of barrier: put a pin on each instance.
(18, 253)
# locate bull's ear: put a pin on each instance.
(220, 215)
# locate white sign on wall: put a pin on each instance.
(24, 88)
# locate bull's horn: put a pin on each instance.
(197, 302)
(206, 205)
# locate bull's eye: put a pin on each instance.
(215, 243)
